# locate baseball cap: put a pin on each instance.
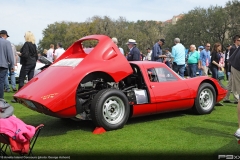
(4, 32)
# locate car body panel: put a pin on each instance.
(55, 87)
(53, 91)
(172, 95)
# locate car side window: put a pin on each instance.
(160, 75)
(152, 75)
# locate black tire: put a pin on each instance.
(110, 109)
(205, 100)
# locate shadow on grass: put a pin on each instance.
(224, 123)
(155, 117)
(208, 132)
(56, 126)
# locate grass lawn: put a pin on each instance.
(162, 136)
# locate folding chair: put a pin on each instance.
(6, 144)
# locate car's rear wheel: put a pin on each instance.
(205, 100)
(110, 109)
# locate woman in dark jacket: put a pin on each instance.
(215, 58)
(28, 55)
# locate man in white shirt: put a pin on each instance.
(149, 54)
(50, 53)
(59, 51)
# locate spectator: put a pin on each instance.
(234, 60)
(200, 48)
(50, 53)
(193, 61)
(178, 57)
(114, 39)
(142, 56)
(59, 51)
(45, 52)
(6, 57)
(215, 59)
(149, 54)
(226, 60)
(157, 54)
(205, 59)
(236, 41)
(29, 57)
(168, 57)
(11, 73)
(134, 54)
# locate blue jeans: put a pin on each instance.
(199, 72)
(6, 83)
(3, 72)
(168, 64)
(13, 79)
(179, 69)
(214, 72)
(26, 70)
(192, 70)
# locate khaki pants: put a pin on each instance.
(205, 71)
(229, 89)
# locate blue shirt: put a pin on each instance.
(204, 56)
(178, 53)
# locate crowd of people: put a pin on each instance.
(194, 60)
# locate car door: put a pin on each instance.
(171, 92)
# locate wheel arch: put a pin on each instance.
(89, 77)
(97, 74)
(210, 82)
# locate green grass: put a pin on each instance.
(165, 135)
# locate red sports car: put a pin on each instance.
(99, 84)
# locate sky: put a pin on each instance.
(19, 16)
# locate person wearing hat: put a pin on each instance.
(114, 39)
(134, 54)
(157, 51)
(6, 58)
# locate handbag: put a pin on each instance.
(221, 75)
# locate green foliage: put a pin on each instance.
(145, 32)
(214, 24)
(198, 26)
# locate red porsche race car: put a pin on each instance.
(99, 84)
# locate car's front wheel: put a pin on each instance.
(205, 100)
(110, 109)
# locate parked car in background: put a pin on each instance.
(18, 68)
(99, 84)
